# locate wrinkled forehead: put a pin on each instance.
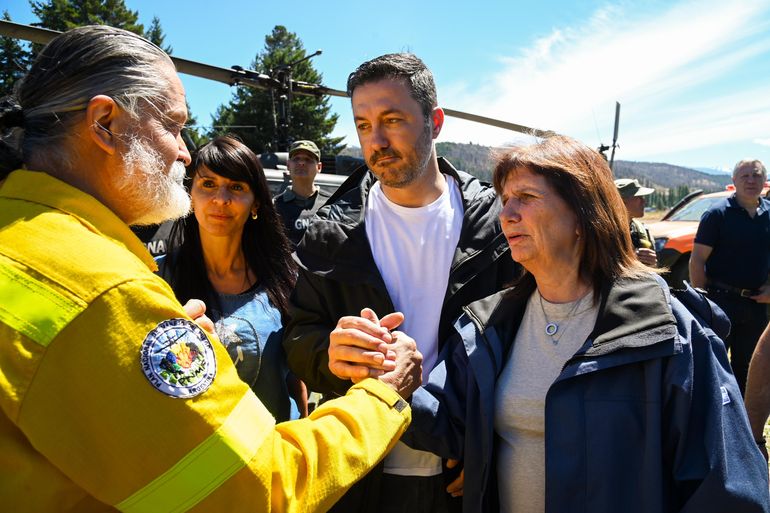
(383, 96)
(169, 107)
(519, 177)
(749, 169)
(175, 95)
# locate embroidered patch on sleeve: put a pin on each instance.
(177, 359)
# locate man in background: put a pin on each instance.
(300, 201)
(731, 259)
(633, 195)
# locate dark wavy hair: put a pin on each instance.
(265, 245)
(408, 68)
(582, 178)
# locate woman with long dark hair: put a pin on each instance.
(232, 253)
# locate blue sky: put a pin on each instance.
(693, 77)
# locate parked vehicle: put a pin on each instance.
(278, 179)
(675, 233)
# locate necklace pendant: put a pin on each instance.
(551, 328)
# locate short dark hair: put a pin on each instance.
(405, 67)
(265, 244)
(582, 178)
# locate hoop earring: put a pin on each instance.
(255, 215)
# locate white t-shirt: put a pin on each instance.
(413, 249)
(535, 362)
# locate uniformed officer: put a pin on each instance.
(633, 194)
(111, 396)
(299, 202)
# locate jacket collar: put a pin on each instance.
(633, 313)
(335, 245)
(353, 192)
(44, 189)
(762, 205)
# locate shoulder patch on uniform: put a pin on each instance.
(177, 358)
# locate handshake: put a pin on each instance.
(367, 347)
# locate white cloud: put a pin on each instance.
(762, 142)
(670, 71)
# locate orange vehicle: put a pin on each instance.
(675, 233)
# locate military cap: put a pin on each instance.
(307, 146)
(628, 187)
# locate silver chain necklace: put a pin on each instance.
(551, 327)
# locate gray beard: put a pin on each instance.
(155, 193)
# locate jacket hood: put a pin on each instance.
(335, 244)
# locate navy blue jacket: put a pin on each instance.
(646, 416)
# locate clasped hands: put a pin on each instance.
(367, 347)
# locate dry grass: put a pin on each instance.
(655, 215)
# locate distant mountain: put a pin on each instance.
(666, 176)
(473, 158)
(351, 151)
(714, 171)
(477, 160)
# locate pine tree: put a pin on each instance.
(66, 14)
(250, 112)
(14, 61)
(155, 35)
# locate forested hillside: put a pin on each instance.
(670, 182)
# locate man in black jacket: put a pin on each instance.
(409, 234)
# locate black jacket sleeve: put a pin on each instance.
(306, 335)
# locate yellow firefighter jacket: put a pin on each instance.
(113, 399)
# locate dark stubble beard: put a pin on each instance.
(410, 168)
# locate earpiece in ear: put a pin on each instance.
(102, 127)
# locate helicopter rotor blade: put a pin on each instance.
(26, 32)
(615, 135)
(497, 123)
(239, 76)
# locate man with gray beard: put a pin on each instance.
(112, 394)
